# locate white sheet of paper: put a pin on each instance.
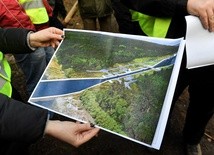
(199, 44)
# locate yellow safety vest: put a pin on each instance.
(36, 10)
(152, 26)
(5, 76)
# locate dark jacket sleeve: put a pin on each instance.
(14, 40)
(21, 122)
(174, 9)
(158, 8)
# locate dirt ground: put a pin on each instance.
(109, 144)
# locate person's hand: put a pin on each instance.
(47, 37)
(70, 132)
(204, 9)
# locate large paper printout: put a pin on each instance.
(124, 84)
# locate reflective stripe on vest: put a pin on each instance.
(5, 76)
(36, 10)
(152, 26)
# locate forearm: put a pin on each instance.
(21, 122)
(14, 40)
(158, 8)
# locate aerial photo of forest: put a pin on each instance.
(134, 77)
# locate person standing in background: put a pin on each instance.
(58, 11)
(32, 15)
(124, 19)
(96, 10)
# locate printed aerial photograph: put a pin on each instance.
(117, 82)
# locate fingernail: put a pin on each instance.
(63, 36)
